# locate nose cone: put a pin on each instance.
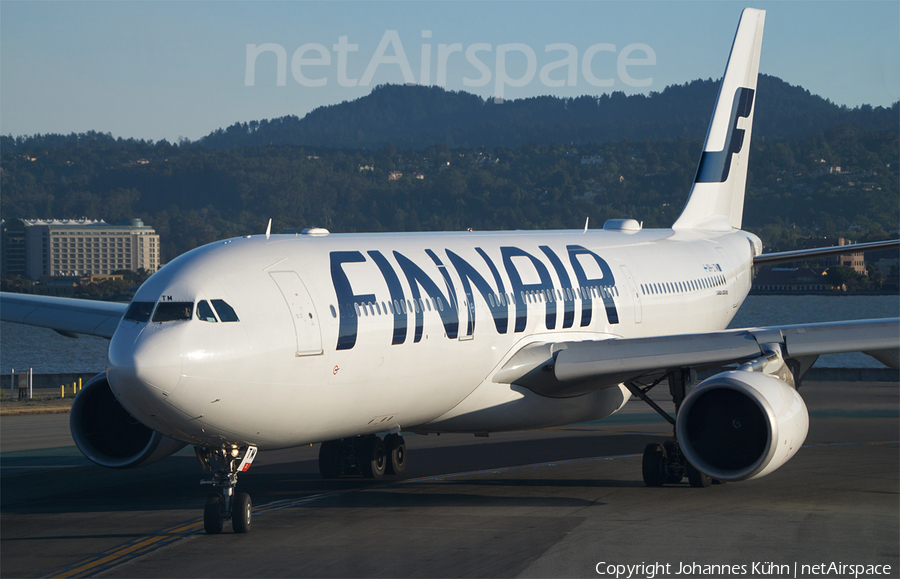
(145, 368)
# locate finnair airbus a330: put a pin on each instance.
(272, 341)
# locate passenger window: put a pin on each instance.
(205, 313)
(226, 312)
(173, 311)
(139, 311)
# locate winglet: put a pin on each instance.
(716, 201)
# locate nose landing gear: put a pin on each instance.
(224, 504)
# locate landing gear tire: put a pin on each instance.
(241, 513)
(395, 448)
(653, 465)
(212, 514)
(373, 458)
(330, 459)
(696, 478)
(227, 461)
(674, 473)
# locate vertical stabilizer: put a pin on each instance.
(716, 201)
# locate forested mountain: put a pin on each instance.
(417, 117)
(412, 158)
(195, 195)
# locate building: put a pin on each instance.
(792, 279)
(33, 248)
(855, 260)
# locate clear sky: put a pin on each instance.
(170, 69)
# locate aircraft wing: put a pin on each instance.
(571, 368)
(68, 316)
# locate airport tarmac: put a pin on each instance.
(563, 502)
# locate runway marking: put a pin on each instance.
(131, 550)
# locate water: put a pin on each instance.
(47, 352)
(23, 347)
(779, 310)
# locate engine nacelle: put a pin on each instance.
(740, 425)
(108, 435)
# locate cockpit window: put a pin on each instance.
(173, 311)
(226, 312)
(139, 311)
(204, 312)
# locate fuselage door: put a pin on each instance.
(303, 313)
(730, 287)
(467, 321)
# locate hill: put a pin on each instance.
(403, 159)
(416, 117)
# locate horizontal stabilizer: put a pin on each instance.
(803, 254)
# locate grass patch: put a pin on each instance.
(40, 404)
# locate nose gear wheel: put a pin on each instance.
(223, 504)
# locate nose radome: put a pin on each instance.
(145, 367)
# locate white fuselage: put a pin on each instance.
(342, 335)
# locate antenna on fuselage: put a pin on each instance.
(269, 228)
(586, 220)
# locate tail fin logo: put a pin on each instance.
(715, 165)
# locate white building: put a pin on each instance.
(76, 247)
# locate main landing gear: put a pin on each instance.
(370, 456)
(664, 463)
(224, 504)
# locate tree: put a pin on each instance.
(843, 275)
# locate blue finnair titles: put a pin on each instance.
(529, 279)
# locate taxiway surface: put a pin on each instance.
(538, 504)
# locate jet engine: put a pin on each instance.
(740, 425)
(108, 435)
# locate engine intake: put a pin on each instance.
(108, 435)
(740, 425)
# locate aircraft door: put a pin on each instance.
(726, 265)
(466, 323)
(635, 295)
(303, 313)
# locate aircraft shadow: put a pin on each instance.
(172, 484)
